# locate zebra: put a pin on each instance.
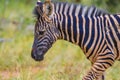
(96, 31)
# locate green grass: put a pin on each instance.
(64, 61)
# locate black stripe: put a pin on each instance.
(107, 58)
(74, 24)
(81, 9)
(87, 31)
(81, 29)
(64, 22)
(106, 63)
(93, 11)
(106, 54)
(69, 24)
(92, 37)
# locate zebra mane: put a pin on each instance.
(87, 9)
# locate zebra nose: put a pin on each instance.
(35, 55)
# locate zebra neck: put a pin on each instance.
(70, 19)
(72, 29)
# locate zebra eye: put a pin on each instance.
(41, 32)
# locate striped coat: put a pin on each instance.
(88, 27)
(95, 31)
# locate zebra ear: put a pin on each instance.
(48, 8)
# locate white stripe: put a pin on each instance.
(66, 20)
(115, 21)
(90, 11)
(77, 22)
(95, 12)
(118, 15)
(61, 9)
(57, 7)
(84, 22)
(70, 13)
(84, 10)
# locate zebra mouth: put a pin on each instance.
(36, 56)
(39, 58)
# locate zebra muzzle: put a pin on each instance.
(36, 56)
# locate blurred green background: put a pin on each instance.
(64, 61)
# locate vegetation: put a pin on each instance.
(64, 61)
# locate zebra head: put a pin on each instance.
(46, 33)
